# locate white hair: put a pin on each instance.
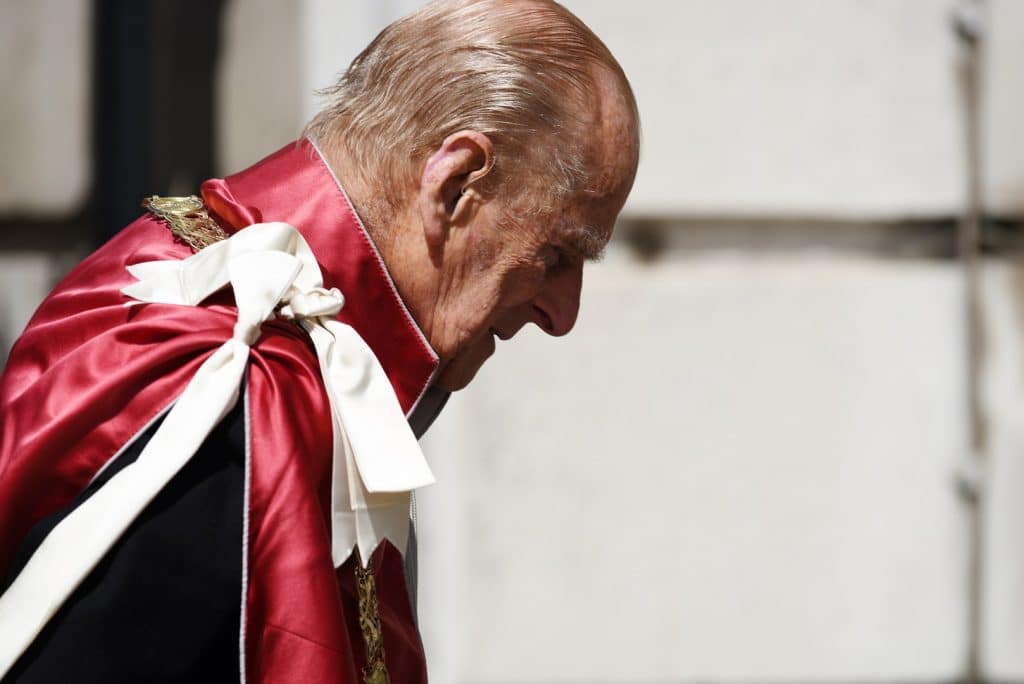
(521, 72)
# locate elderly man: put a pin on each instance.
(209, 428)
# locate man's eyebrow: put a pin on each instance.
(583, 242)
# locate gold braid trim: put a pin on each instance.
(376, 671)
(187, 218)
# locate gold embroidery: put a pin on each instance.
(187, 218)
(376, 671)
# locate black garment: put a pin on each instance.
(164, 605)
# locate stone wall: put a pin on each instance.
(741, 466)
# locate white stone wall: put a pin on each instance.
(793, 107)
(1004, 101)
(44, 106)
(740, 467)
(790, 107)
(1003, 395)
(736, 469)
(785, 108)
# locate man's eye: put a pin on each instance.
(561, 258)
(552, 257)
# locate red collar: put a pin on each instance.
(294, 185)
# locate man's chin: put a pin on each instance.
(461, 370)
(453, 382)
(455, 377)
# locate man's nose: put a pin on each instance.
(558, 304)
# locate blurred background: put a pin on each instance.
(785, 442)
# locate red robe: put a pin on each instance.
(89, 373)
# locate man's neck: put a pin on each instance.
(386, 227)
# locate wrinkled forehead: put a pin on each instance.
(608, 136)
(614, 140)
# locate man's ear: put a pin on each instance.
(445, 196)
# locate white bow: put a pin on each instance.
(377, 461)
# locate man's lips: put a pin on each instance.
(500, 335)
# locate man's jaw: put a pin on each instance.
(457, 372)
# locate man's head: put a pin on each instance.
(489, 145)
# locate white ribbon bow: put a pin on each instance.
(377, 461)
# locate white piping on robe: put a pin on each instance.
(377, 461)
(246, 484)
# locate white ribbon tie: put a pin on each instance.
(377, 461)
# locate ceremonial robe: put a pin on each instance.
(89, 376)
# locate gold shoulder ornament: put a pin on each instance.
(187, 218)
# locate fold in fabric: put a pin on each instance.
(377, 460)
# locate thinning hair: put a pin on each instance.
(522, 72)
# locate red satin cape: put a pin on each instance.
(89, 373)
